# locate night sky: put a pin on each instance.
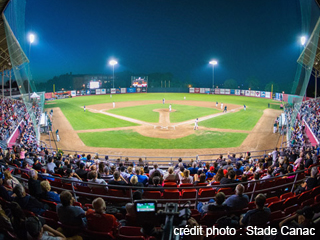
(248, 38)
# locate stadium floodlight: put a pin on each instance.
(303, 40)
(31, 38)
(112, 63)
(213, 63)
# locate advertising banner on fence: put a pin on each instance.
(123, 90)
(237, 92)
(252, 93)
(242, 92)
(98, 91)
(222, 91)
(263, 94)
(118, 90)
(48, 95)
(197, 90)
(227, 91)
(207, 90)
(92, 91)
(73, 93)
(78, 93)
(217, 91)
(268, 94)
(257, 93)
(201, 90)
(191, 90)
(113, 91)
(232, 91)
(103, 91)
(131, 90)
(88, 92)
(247, 93)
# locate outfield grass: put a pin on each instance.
(81, 120)
(146, 113)
(130, 139)
(242, 120)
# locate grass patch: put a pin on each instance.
(241, 120)
(146, 113)
(131, 139)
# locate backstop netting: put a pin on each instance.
(14, 20)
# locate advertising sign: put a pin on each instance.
(252, 93)
(88, 92)
(207, 90)
(227, 91)
(191, 90)
(263, 94)
(242, 92)
(123, 90)
(113, 91)
(232, 91)
(118, 90)
(268, 94)
(144, 89)
(78, 93)
(98, 91)
(139, 82)
(221, 91)
(197, 90)
(237, 92)
(92, 91)
(73, 93)
(48, 95)
(131, 90)
(257, 93)
(103, 91)
(217, 91)
(247, 93)
(202, 90)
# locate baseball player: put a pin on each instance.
(195, 124)
(84, 108)
(113, 105)
(170, 108)
(225, 109)
(244, 107)
(221, 106)
(163, 101)
(216, 104)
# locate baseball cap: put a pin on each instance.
(212, 168)
(307, 212)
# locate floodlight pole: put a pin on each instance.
(213, 63)
(112, 75)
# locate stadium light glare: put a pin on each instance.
(303, 40)
(112, 63)
(31, 38)
(213, 63)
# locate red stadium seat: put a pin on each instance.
(304, 196)
(290, 201)
(276, 214)
(171, 194)
(102, 191)
(170, 184)
(51, 204)
(292, 209)
(188, 193)
(51, 214)
(78, 204)
(207, 193)
(286, 195)
(275, 206)
(270, 200)
(130, 231)
(226, 191)
(152, 194)
(210, 219)
(308, 202)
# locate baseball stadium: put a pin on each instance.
(146, 155)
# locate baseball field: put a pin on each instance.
(143, 123)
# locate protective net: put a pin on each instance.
(14, 20)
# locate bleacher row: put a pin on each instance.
(281, 201)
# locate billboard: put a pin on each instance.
(232, 91)
(247, 93)
(217, 91)
(88, 92)
(227, 91)
(237, 92)
(268, 95)
(113, 91)
(222, 91)
(131, 90)
(73, 93)
(191, 90)
(142, 90)
(202, 90)
(139, 82)
(103, 91)
(197, 90)
(257, 93)
(207, 90)
(263, 94)
(98, 91)
(123, 90)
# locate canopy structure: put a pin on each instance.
(18, 57)
(35, 96)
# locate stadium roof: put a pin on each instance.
(306, 57)
(18, 57)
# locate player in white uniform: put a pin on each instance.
(113, 105)
(195, 124)
(221, 106)
(244, 107)
(184, 98)
(170, 108)
(84, 108)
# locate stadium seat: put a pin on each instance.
(84, 189)
(270, 200)
(292, 209)
(276, 215)
(286, 195)
(210, 219)
(52, 223)
(51, 214)
(101, 191)
(25, 175)
(88, 206)
(304, 196)
(68, 186)
(78, 204)
(57, 175)
(122, 237)
(315, 191)
(275, 206)
(171, 194)
(290, 201)
(226, 191)
(251, 205)
(170, 184)
(207, 193)
(70, 231)
(98, 235)
(51, 204)
(317, 198)
(308, 202)
(182, 185)
(195, 214)
(151, 194)
(188, 193)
